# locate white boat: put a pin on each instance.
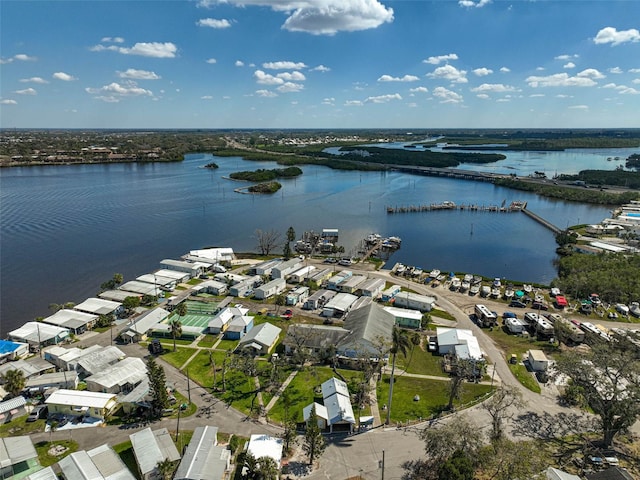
(496, 282)
(400, 269)
(468, 278)
(417, 272)
(373, 238)
(622, 309)
(474, 290)
(555, 291)
(634, 309)
(455, 284)
(495, 292)
(477, 279)
(527, 288)
(485, 290)
(441, 277)
(464, 286)
(434, 273)
(395, 240)
(508, 292)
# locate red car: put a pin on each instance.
(287, 314)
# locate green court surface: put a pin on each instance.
(194, 320)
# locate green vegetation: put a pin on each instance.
(584, 195)
(262, 188)
(525, 377)
(614, 276)
(431, 403)
(619, 178)
(125, 451)
(633, 161)
(417, 158)
(422, 362)
(46, 460)
(213, 165)
(263, 175)
(20, 426)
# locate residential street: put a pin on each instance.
(346, 456)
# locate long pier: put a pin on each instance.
(513, 207)
(516, 206)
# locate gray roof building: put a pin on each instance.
(121, 377)
(99, 360)
(98, 306)
(17, 454)
(151, 447)
(367, 327)
(261, 338)
(100, 463)
(203, 458)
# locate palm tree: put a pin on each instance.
(14, 382)
(400, 343)
(175, 327)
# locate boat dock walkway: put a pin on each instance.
(516, 206)
(513, 207)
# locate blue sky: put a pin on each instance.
(320, 64)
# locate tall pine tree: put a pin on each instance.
(157, 387)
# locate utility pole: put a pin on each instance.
(382, 464)
(188, 387)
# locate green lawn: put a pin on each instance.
(422, 362)
(227, 345)
(304, 389)
(525, 377)
(433, 394)
(125, 451)
(20, 426)
(179, 357)
(208, 341)
(517, 344)
(46, 460)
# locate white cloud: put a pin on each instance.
(591, 73)
(578, 107)
(614, 37)
(449, 72)
(112, 39)
(473, 3)
(503, 100)
(419, 90)
(634, 70)
(384, 98)
(34, 80)
(138, 74)
(537, 95)
(483, 96)
(441, 58)
(266, 93)
(206, 97)
(494, 87)
(560, 80)
(615, 70)
(292, 76)
(211, 60)
(569, 65)
(114, 92)
(637, 80)
(353, 103)
(566, 57)
(239, 63)
(214, 23)
(406, 78)
(144, 49)
(266, 79)
(27, 91)
(284, 65)
(327, 17)
(65, 77)
(23, 57)
(505, 69)
(320, 68)
(329, 101)
(482, 72)
(447, 96)
(290, 87)
(622, 89)
(8, 101)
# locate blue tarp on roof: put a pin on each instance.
(7, 346)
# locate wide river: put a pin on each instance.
(66, 229)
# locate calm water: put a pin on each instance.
(66, 229)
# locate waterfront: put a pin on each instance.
(66, 229)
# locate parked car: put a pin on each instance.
(288, 313)
(509, 315)
(433, 344)
(518, 304)
(345, 262)
(38, 412)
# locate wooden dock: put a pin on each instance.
(516, 206)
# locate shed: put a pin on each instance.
(450, 339)
(150, 448)
(537, 360)
(261, 339)
(274, 287)
(204, 459)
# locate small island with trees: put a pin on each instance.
(264, 175)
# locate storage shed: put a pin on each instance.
(537, 360)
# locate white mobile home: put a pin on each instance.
(338, 305)
(142, 288)
(458, 341)
(286, 268)
(301, 274)
(298, 295)
(334, 282)
(242, 289)
(99, 306)
(274, 287)
(212, 287)
(414, 301)
(352, 284)
(204, 459)
(390, 293)
(372, 287)
(80, 403)
(38, 334)
(151, 448)
(192, 268)
(320, 277)
(515, 325)
(318, 299)
(265, 268)
(73, 320)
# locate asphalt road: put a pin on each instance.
(346, 456)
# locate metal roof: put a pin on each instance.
(265, 334)
(98, 360)
(80, 398)
(44, 474)
(266, 446)
(341, 302)
(14, 450)
(37, 332)
(98, 306)
(109, 463)
(79, 466)
(131, 370)
(203, 459)
(149, 320)
(334, 385)
(12, 404)
(150, 448)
